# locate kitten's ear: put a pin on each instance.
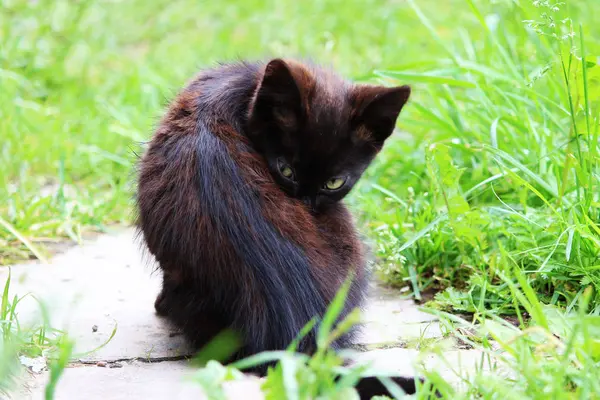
(277, 98)
(376, 109)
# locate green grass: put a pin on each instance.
(30, 340)
(557, 356)
(491, 199)
(502, 172)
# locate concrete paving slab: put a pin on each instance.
(94, 289)
(404, 361)
(108, 284)
(135, 380)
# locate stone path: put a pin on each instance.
(108, 284)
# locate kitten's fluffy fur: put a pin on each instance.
(242, 244)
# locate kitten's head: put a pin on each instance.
(318, 132)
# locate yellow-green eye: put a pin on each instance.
(335, 183)
(286, 171)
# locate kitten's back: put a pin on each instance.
(229, 241)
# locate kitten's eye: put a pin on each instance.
(286, 170)
(334, 183)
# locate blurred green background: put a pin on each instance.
(84, 82)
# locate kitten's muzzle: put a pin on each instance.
(311, 202)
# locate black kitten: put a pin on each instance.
(239, 200)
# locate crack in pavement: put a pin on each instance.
(145, 360)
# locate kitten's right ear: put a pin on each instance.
(277, 98)
(376, 108)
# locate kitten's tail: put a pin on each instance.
(281, 295)
(371, 386)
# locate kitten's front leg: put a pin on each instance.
(161, 303)
(170, 290)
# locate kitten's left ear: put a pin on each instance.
(376, 108)
(278, 97)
